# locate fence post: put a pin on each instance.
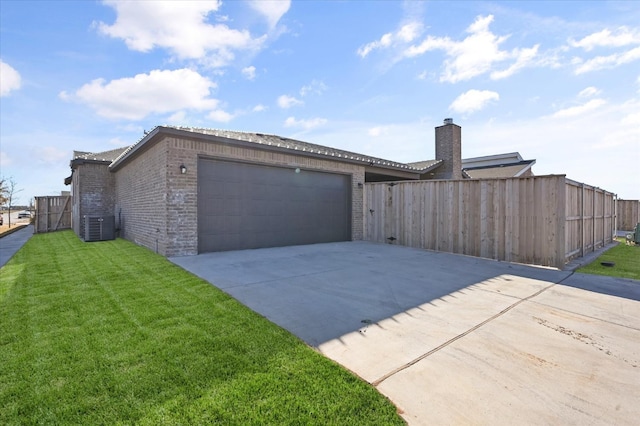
(561, 222)
(582, 230)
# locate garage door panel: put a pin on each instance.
(242, 205)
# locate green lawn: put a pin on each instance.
(626, 258)
(111, 333)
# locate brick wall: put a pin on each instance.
(158, 204)
(93, 189)
(141, 199)
(449, 149)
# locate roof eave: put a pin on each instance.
(432, 167)
(79, 161)
(525, 169)
(170, 131)
(134, 149)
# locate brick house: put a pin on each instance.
(184, 191)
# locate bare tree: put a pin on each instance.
(9, 191)
(3, 191)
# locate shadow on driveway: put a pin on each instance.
(323, 291)
(451, 339)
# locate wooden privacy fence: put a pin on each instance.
(590, 219)
(53, 213)
(628, 214)
(522, 220)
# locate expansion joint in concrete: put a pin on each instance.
(460, 336)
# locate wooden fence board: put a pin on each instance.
(628, 214)
(544, 220)
(53, 213)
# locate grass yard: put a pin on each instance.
(626, 258)
(111, 333)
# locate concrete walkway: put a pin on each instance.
(10, 244)
(452, 339)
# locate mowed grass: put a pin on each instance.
(111, 333)
(626, 258)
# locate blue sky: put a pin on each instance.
(558, 82)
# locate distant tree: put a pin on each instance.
(3, 191)
(9, 190)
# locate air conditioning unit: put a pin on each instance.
(99, 228)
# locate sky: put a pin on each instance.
(558, 82)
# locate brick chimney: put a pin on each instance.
(449, 149)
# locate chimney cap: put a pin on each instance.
(448, 121)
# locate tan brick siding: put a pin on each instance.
(151, 191)
(141, 197)
(93, 188)
(449, 149)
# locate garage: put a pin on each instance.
(245, 205)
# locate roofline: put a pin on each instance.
(493, 157)
(359, 159)
(432, 167)
(133, 149)
(497, 166)
(521, 172)
(79, 161)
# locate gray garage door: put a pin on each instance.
(242, 206)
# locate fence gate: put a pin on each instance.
(53, 213)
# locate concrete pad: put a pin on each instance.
(452, 339)
(393, 342)
(619, 310)
(323, 291)
(533, 365)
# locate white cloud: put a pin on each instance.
(286, 101)
(632, 119)
(574, 146)
(49, 154)
(178, 117)
(424, 75)
(589, 92)
(221, 116)
(272, 10)
(377, 131)
(180, 27)
(249, 72)
(473, 100)
(578, 110)
(10, 79)
(610, 61)
(605, 38)
(524, 58)
(259, 108)
(316, 87)
(304, 124)
(476, 54)
(137, 97)
(385, 41)
(405, 34)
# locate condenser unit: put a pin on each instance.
(99, 228)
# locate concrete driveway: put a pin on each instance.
(452, 339)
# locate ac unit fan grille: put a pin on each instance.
(99, 228)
